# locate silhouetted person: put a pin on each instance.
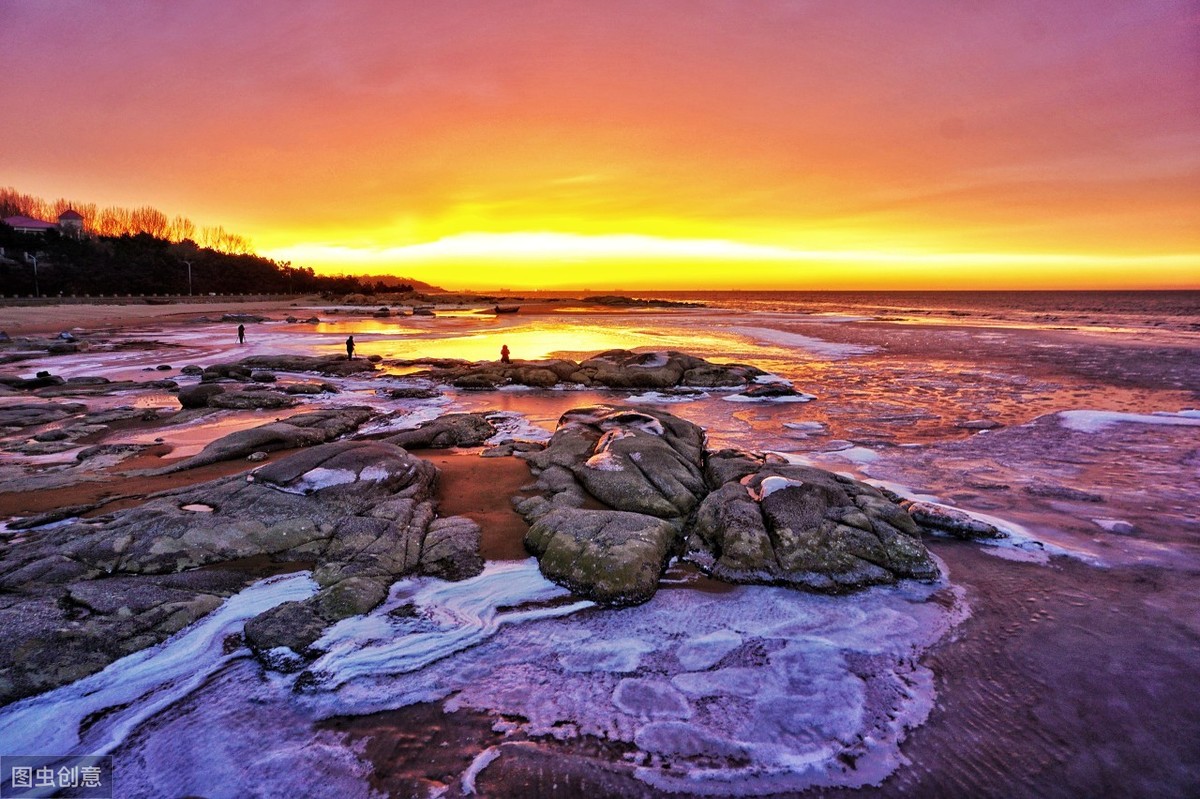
(349, 348)
(241, 334)
(504, 354)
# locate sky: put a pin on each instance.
(634, 144)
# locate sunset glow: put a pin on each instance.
(631, 145)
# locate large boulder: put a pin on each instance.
(450, 430)
(301, 430)
(611, 557)
(616, 486)
(767, 521)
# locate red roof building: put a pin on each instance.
(27, 224)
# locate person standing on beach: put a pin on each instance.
(241, 334)
(349, 348)
(504, 354)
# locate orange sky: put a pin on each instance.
(821, 144)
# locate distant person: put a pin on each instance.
(241, 334)
(349, 348)
(504, 354)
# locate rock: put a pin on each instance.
(414, 392)
(29, 414)
(476, 382)
(164, 367)
(778, 523)
(1053, 491)
(360, 513)
(198, 396)
(451, 430)
(310, 388)
(42, 380)
(262, 376)
(939, 518)
(191, 369)
(644, 468)
(52, 435)
(611, 557)
(642, 461)
(613, 369)
(772, 391)
(301, 430)
(243, 318)
(979, 424)
(257, 457)
(334, 365)
(312, 320)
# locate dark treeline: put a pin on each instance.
(145, 264)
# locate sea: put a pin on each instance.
(1060, 660)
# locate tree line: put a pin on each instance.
(141, 251)
(117, 221)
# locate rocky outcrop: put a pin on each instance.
(621, 490)
(301, 430)
(950, 521)
(620, 369)
(450, 430)
(37, 413)
(768, 521)
(616, 487)
(360, 514)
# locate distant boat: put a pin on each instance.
(423, 310)
(506, 309)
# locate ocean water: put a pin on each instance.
(1066, 418)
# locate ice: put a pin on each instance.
(770, 485)
(806, 427)
(481, 761)
(859, 455)
(1095, 421)
(788, 398)
(516, 426)
(1118, 526)
(659, 398)
(804, 678)
(138, 686)
(703, 651)
(806, 344)
(650, 700)
(619, 656)
(454, 616)
(769, 378)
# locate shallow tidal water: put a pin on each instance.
(1062, 661)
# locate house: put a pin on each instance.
(70, 223)
(27, 224)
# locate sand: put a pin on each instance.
(25, 320)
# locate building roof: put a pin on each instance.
(70, 213)
(28, 222)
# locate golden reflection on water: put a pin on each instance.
(542, 338)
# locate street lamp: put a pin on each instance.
(33, 260)
(189, 266)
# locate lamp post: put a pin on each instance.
(37, 292)
(189, 266)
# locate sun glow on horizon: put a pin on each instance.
(528, 260)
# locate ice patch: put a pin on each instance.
(787, 398)
(859, 455)
(515, 426)
(770, 485)
(1095, 421)
(452, 617)
(703, 651)
(140, 685)
(659, 398)
(812, 346)
(604, 462)
(768, 379)
(808, 682)
(481, 761)
(805, 427)
(1118, 526)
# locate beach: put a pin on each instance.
(1056, 660)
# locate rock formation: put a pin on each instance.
(360, 514)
